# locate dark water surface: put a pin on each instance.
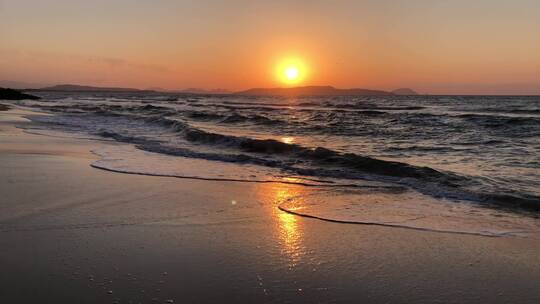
(440, 154)
(483, 148)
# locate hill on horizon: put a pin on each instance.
(287, 91)
(202, 91)
(86, 88)
(312, 91)
(83, 88)
(405, 92)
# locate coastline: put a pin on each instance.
(71, 232)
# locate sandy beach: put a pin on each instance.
(71, 233)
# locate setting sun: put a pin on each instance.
(291, 71)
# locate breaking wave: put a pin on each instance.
(387, 139)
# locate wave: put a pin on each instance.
(425, 149)
(232, 118)
(255, 119)
(308, 104)
(166, 129)
(371, 112)
(298, 154)
(372, 107)
(501, 110)
(488, 142)
(119, 137)
(130, 159)
(500, 121)
(321, 154)
(359, 202)
(407, 210)
(321, 161)
(199, 115)
(264, 104)
(152, 108)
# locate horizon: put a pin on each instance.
(371, 45)
(221, 91)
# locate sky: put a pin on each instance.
(434, 47)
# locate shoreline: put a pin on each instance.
(74, 233)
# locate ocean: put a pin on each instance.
(464, 154)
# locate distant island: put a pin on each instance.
(202, 91)
(404, 92)
(10, 94)
(320, 91)
(83, 88)
(291, 91)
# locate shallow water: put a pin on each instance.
(460, 150)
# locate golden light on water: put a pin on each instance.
(290, 236)
(289, 232)
(287, 139)
(287, 227)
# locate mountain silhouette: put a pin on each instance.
(311, 91)
(404, 91)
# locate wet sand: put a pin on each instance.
(71, 233)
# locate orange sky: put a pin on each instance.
(446, 47)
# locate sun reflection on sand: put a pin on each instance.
(287, 227)
(290, 237)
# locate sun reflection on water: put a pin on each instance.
(287, 227)
(287, 139)
(290, 237)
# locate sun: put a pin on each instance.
(291, 71)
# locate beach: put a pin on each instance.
(73, 233)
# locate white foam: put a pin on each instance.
(126, 158)
(409, 209)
